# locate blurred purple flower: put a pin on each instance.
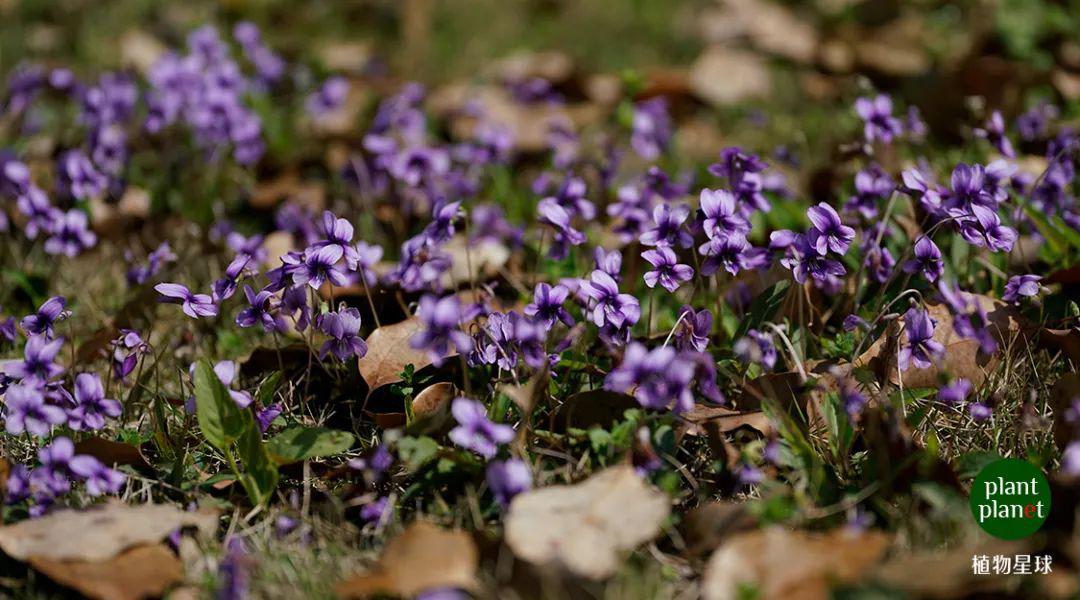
(508, 478)
(475, 431)
(921, 349)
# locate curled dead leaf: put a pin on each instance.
(585, 528)
(780, 563)
(389, 351)
(422, 558)
(137, 573)
(100, 532)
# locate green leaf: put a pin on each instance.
(300, 443)
(1054, 238)
(220, 419)
(260, 474)
(763, 307)
(1067, 232)
(267, 389)
(415, 452)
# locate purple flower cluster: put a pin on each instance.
(664, 378)
(205, 88)
(58, 467)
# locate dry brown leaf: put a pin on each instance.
(786, 564)
(99, 532)
(962, 357)
(140, 572)
(111, 453)
(707, 526)
(724, 419)
(594, 407)
(585, 528)
(434, 398)
(946, 573)
(722, 76)
(424, 557)
(389, 351)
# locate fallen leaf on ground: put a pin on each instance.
(594, 407)
(722, 76)
(389, 351)
(99, 532)
(424, 557)
(708, 525)
(140, 572)
(586, 527)
(111, 453)
(962, 357)
(946, 573)
(781, 563)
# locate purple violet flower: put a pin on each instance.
(37, 365)
(692, 330)
(1019, 286)
(668, 272)
(805, 260)
(508, 478)
(194, 305)
(921, 349)
(651, 128)
(475, 431)
(91, 404)
(828, 232)
(70, 234)
(721, 215)
(879, 122)
(611, 307)
(667, 229)
(41, 322)
(99, 478)
(927, 260)
(955, 392)
(547, 305)
(994, 132)
(343, 327)
(756, 348)
(25, 409)
(441, 318)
